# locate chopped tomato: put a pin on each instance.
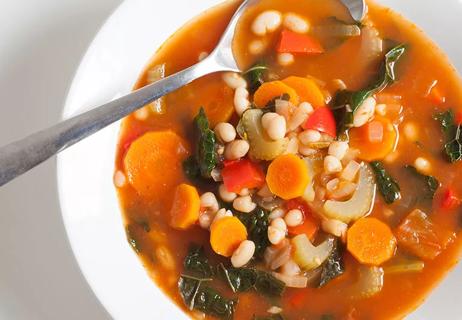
(241, 174)
(310, 225)
(450, 200)
(375, 132)
(292, 42)
(322, 119)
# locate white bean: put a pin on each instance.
(209, 201)
(422, 165)
(332, 165)
(225, 132)
(267, 118)
(276, 127)
(334, 227)
(244, 204)
(381, 109)
(338, 149)
(280, 224)
(290, 268)
(236, 149)
(119, 179)
(225, 195)
(244, 192)
(410, 131)
(241, 100)
(286, 59)
(275, 235)
(306, 151)
(234, 80)
(364, 112)
(309, 136)
(332, 185)
(243, 254)
(266, 22)
(277, 213)
(257, 47)
(205, 219)
(296, 23)
(294, 218)
(222, 213)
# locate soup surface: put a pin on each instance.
(322, 183)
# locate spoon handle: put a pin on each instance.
(23, 155)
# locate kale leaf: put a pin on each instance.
(453, 133)
(244, 279)
(387, 186)
(204, 298)
(129, 231)
(429, 184)
(255, 76)
(334, 266)
(345, 103)
(257, 223)
(239, 279)
(206, 156)
(197, 263)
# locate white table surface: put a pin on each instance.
(41, 44)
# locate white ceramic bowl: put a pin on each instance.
(89, 205)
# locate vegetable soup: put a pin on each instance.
(321, 183)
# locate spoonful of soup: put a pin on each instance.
(23, 155)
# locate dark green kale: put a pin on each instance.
(239, 279)
(206, 156)
(245, 279)
(197, 263)
(345, 103)
(334, 266)
(453, 134)
(426, 186)
(255, 76)
(200, 297)
(388, 187)
(257, 223)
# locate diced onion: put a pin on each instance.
(292, 281)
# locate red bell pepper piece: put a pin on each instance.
(292, 42)
(322, 120)
(310, 225)
(450, 200)
(241, 174)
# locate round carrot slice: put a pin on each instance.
(153, 163)
(271, 90)
(307, 90)
(371, 241)
(185, 208)
(226, 234)
(288, 177)
(360, 138)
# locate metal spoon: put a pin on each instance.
(23, 155)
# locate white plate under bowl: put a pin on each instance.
(89, 205)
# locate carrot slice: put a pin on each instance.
(307, 90)
(185, 208)
(153, 163)
(371, 241)
(226, 235)
(288, 177)
(370, 150)
(271, 90)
